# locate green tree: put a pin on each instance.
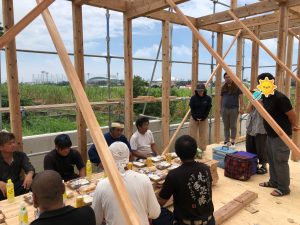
(139, 86)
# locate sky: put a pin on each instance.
(146, 39)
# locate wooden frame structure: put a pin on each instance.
(285, 13)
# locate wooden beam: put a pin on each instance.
(251, 22)
(286, 139)
(254, 61)
(166, 83)
(139, 8)
(274, 34)
(289, 63)
(244, 11)
(164, 15)
(281, 45)
(24, 22)
(218, 84)
(296, 135)
(116, 5)
(79, 67)
(195, 62)
(129, 212)
(128, 76)
(232, 207)
(265, 48)
(173, 18)
(12, 74)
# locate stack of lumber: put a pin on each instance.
(213, 165)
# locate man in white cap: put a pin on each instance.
(115, 134)
(138, 185)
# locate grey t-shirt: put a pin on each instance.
(230, 101)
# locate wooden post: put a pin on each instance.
(15, 30)
(79, 67)
(289, 72)
(296, 135)
(195, 63)
(239, 61)
(286, 139)
(166, 83)
(12, 75)
(289, 62)
(128, 76)
(281, 44)
(128, 211)
(233, 4)
(218, 84)
(254, 61)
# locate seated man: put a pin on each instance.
(142, 141)
(47, 193)
(63, 158)
(139, 187)
(12, 162)
(190, 184)
(115, 134)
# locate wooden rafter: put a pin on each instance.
(244, 11)
(128, 211)
(139, 8)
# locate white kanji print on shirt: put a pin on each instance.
(199, 188)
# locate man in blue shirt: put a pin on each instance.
(115, 134)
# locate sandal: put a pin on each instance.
(267, 184)
(261, 170)
(278, 193)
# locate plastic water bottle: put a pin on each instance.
(10, 192)
(23, 215)
(89, 169)
(64, 194)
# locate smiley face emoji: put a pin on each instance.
(267, 87)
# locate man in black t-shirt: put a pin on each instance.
(47, 192)
(281, 110)
(63, 158)
(190, 185)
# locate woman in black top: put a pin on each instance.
(200, 105)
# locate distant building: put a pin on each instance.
(103, 81)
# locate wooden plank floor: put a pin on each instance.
(271, 210)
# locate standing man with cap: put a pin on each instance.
(138, 186)
(200, 105)
(115, 134)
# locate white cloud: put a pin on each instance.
(147, 52)
(182, 50)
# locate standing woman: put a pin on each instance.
(200, 105)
